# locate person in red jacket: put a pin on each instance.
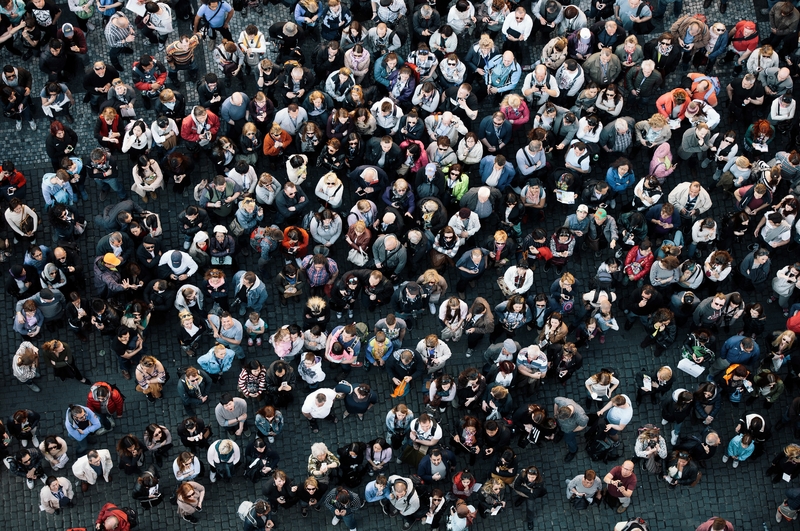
(295, 243)
(715, 523)
(105, 401)
(149, 76)
(199, 129)
(112, 518)
(672, 105)
(12, 182)
(276, 142)
(638, 262)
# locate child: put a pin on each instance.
(740, 448)
(281, 341)
(379, 348)
(256, 327)
(314, 339)
(605, 319)
(311, 370)
(216, 361)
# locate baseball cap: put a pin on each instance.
(583, 208)
(46, 294)
(509, 346)
(585, 33)
(600, 213)
(68, 30)
(111, 259)
(430, 169)
(176, 258)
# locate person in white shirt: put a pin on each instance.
(518, 279)
(578, 157)
(461, 16)
(516, 29)
(319, 405)
(781, 113)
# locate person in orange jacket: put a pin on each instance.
(105, 400)
(275, 145)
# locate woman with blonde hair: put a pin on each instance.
(630, 53)
(249, 144)
(554, 53)
(309, 139)
(492, 497)
(787, 462)
(329, 191)
(651, 447)
(478, 58)
(150, 378)
(189, 496)
(306, 14)
(434, 285)
(339, 124)
(358, 237)
(515, 109)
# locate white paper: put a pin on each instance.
(497, 509)
(674, 124)
(568, 198)
(760, 147)
(429, 519)
(647, 383)
(787, 478)
(135, 7)
(690, 367)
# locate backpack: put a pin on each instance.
(362, 331)
(715, 85)
(244, 510)
(306, 222)
(133, 516)
(636, 524)
(647, 26)
(604, 450)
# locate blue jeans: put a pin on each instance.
(114, 184)
(677, 7)
(572, 442)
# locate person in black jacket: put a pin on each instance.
(280, 491)
(211, 93)
(146, 489)
(351, 463)
(131, 454)
(661, 331)
(23, 425)
(161, 296)
(700, 447)
(171, 103)
(661, 382)
(193, 388)
(640, 304)
(261, 462)
(406, 365)
(281, 379)
(194, 433)
(376, 289)
(385, 154)
(344, 294)
(310, 494)
(23, 282)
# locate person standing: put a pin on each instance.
(343, 503)
(571, 419)
(621, 483)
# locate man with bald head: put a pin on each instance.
(539, 86)
(233, 112)
(502, 75)
(390, 256)
(777, 81)
(112, 518)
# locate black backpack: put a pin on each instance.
(604, 450)
(636, 524)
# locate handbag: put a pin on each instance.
(357, 257)
(507, 292)
(579, 503)
(236, 227)
(170, 143)
(26, 224)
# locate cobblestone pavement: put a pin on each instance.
(743, 496)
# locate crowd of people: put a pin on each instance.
(355, 183)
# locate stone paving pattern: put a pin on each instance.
(743, 496)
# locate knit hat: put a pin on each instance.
(509, 346)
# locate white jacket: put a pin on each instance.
(441, 356)
(84, 471)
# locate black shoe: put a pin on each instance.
(628, 325)
(569, 457)
(190, 518)
(519, 501)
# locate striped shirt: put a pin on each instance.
(180, 56)
(115, 35)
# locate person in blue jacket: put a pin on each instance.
(740, 349)
(496, 171)
(216, 361)
(494, 133)
(720, 46)
(619, 177)
(250, 291)
(81, 422)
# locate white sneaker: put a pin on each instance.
(664, 422)
(19, 125)
(24, 443)
(35, 441)
(349, 314)
(674, 438)
(271, 439)
(736, 464)
(32, 123)
(90, 26)
(432, 307)
(338, 315)
(335, 520)
(29, 482)
(725, 458)
(213, 477)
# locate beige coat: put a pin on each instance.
(49, 503)
(186, 509)
(53, 459)
(84, 471)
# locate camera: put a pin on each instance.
(688, 298)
